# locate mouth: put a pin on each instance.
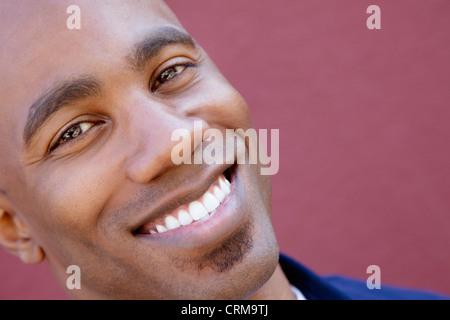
(197, 211)
(200, 217)
(203, 222)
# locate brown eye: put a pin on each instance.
(169, 74)
(73, 133)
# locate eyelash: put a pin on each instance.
(186, 66)
(81, 132)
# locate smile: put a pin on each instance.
(203, 221)
(198, 210)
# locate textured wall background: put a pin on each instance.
(364, 131)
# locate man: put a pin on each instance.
(87, 173)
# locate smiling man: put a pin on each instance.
(87, 179)
(87, 175)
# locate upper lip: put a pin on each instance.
(184, 194)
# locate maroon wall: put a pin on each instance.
(364, 131)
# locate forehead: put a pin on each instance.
(37, 48)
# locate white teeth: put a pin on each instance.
(210, 202)
(218, 193)
(224, 186)
(197, 210)
(160, 228)
(184, 217)
(172, 223)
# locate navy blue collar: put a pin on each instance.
(311, 285)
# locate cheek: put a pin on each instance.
(68, 202)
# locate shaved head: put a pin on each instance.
(86, 120)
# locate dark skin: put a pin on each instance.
(86, 118)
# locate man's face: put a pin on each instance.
(85, 123)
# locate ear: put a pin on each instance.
(16, 238)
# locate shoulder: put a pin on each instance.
(315, 287)
(357, 290)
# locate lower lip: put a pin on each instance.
(226, 219)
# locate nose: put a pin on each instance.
(152, 145)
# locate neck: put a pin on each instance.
(277, 288)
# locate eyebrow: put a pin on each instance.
(61, 95)
(67, 93)
(153, 44)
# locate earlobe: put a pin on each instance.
(16, 238)
(29, 251)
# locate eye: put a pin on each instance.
(72, 133)
(169, 74)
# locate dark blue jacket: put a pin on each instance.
(315, 287)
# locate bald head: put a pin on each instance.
(86, 123)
